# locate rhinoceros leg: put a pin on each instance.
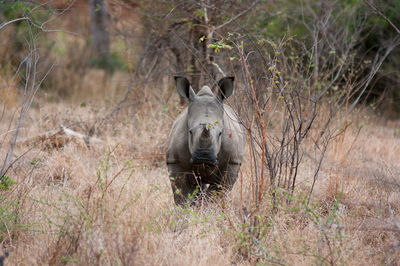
(183, 184)
(226, 179)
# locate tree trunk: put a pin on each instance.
(99, 22)
(179, 68)
(196, 70)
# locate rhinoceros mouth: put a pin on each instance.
(204, 156)
(200, 162)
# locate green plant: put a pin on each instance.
(10, 219)
(6, 183)
(327, 221)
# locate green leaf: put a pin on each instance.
(6, 183)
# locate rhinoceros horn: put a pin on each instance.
(206, 132)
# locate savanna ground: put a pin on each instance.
(109, 202)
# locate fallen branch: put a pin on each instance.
(75, 134)
(58, 138)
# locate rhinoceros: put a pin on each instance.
(206, 143)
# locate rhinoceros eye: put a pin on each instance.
(220, 133)
(190, 132)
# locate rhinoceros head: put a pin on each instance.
(205, 119)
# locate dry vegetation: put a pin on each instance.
(112, 204)
(109, 202)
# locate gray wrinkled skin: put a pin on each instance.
(206, 143)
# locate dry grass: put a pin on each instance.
(111, 204)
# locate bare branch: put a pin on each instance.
(13, 21)
(42, 25)
(219, 68)
(377, 64)
(379, 13)
(30, 89)
(237, 16)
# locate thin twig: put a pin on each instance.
(377, 11)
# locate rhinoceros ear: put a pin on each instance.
(225, 87)
(184, 88)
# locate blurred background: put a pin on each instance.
(102, 48)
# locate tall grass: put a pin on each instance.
(112, 203)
